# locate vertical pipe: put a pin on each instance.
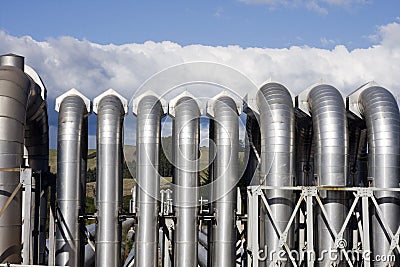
(226, 177)
(381, 113)
(14, 92)
(110, 117)
(148, 179)
(72, 111)
(186, 133)
(330, 160)
(277, 160)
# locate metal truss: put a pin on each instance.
(310, 196)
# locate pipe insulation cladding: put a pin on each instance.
(110, 117)
(149, 114)
(330, 163)
(186, 134)
(277, 167)
(226, 177)
(73, 111)
(15, 89)
(381, 113)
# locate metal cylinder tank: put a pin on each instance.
(226, 176)
(149, 113)
(186, 134)
(330, 161)
(14, 93)
(72, 108)
(381, 114)
(277, 160)
(110, 116)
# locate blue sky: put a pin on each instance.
(247, 23)
(96, 45)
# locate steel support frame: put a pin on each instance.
(309, 194)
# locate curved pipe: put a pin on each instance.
(71, 120)
(110, 118)
(15, 89)
(226, 176)
(381, 113)
(148, 179)
(330, 159)
(37, 145)
(186, 155)
(277, 158)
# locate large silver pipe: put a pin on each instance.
(110, 116)
(226, 176)
(277, 159)
(149, 113)
(381, 113)
(37, 145)
(186, 157)
(330, 160)
(14, 93)
(73, 108)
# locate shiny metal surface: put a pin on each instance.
(148, 179)
(277, 159)
(37, 145)
(330, 160)
(12, 60)
(186, 178)
(14, 88)
(226, 176)
(381, 113)
(110, 116)
(71, 127)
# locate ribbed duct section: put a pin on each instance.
(277, 159)
(73, 109)
(14, 93)
(110, 116)
(186, 134)
(149, 113)
(381, 113)
(226, 134)
(330, 160)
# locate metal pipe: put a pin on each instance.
(110, 116)
(277, 160)
(226, 176)
(186, 155)
(381, 114)
(37, 145)
(330, 160)
(72, 112)
(149, 113)
(15, 89)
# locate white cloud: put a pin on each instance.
(318, 6)
(92, 68)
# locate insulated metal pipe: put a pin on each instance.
(110, 116)
(330, 160)
(186, 157)
(37, 145)
(381, 113)
(277, 160)
(71, 118)
(14, 93)
(149, 113)
(226, 176)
